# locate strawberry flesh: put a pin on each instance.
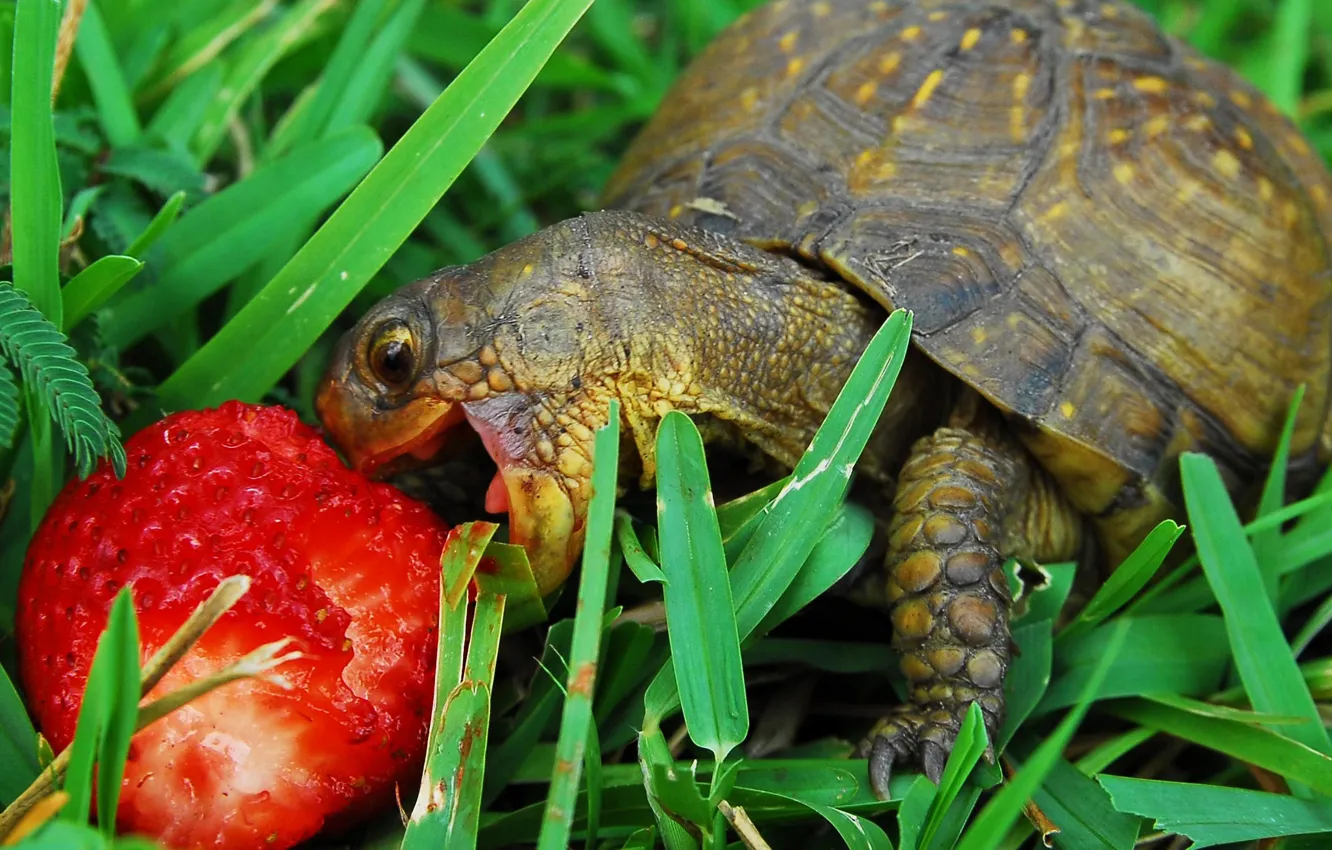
(347, 567)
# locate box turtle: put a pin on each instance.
(1115, 251)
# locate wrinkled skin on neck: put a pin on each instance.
(528, 346)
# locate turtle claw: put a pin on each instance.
(908, 736)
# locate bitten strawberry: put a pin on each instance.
(347, 567)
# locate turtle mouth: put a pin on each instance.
(541, 512)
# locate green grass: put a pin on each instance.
(248, 177)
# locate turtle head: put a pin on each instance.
(501, 347)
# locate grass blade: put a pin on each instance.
(1003, 810)
(18, 743)
(271, 333)
(97, 55)
(1212, 815)
(94, 286)
(1244, 741)
(165, 217)
(1267, 544)
(237, 227)
(1127, 579)
(970, 745)
(35, 199)
(586, 646)
(107, 717)
(635, 556)
(700, 621)
(841, 547)
(1266, 666)
(374, 68)
(1083, 811)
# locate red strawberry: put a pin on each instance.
(348, 567)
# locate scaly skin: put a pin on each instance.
(531, 343)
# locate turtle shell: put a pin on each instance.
(1116, 241)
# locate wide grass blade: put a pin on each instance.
(1003, 810)
(1265, 663)
(97, 55)
(272, 332)
(1083, 811)
(107, 717)
(970, 745)
(585, 650)
(34, 192)
(1246, 742)
(700, 622)
(18, 743)
(1212, 815)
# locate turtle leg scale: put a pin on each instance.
(964, 502)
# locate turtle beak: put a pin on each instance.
(378, 443)
(547, 516)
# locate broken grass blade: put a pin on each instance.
(585, 648)
(254, 664)
(227, 593)
(635, 556)
(448, 809)
(512, 579)
(700, 620)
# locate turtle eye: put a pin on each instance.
(393, 354)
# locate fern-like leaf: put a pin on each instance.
(9, 408)
(48, 366)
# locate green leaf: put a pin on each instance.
(1267, 544)
(48, 366)
(35, 198)
(1243, 741)
(700, 622)
(237, 227)
(1083, 811)
(512, 579)
(107, 716)
(97, 55)
(841, 547)
(1003, 810)
(913, 810)
(9, 407)
(857, 833)
(585, 650)
(374, 68)
(94, 286)
(970, 745)
(272, 332)
(1127, 579)
(1212, 815)
(1265, 663)
(205, 41)
(18, 743)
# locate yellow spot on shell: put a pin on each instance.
(889, 63)
(962, 251)
(1105, 94)
(1319, 195)
(1021, 85)
(866, 92)
(865, 157)
(1291, 213)
(1226, 163)
(788, 41)
(795, 66)
(911, 33)
(1018, 36)
(878, 6)
(1124, 173)
(676, 211)
(1244, 138)
(1108, 10)
(821, 9)
(1156, 125)
(978, 336)
(1067, 409)
(1118, 137)
(1299, 144)
(886, 171)
(927, 88)
(1204, 98)
(807, 208)
(1151, 85)
(1265, 189)
(1241, 98)
(749, 98)
(1056, 212)
(938, 16)
(528, 269)
(1197, 123)
(1017, 123)
(970, 38)
(1188, 190)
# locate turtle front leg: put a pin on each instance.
(968, 497)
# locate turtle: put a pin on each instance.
(1114, 249)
